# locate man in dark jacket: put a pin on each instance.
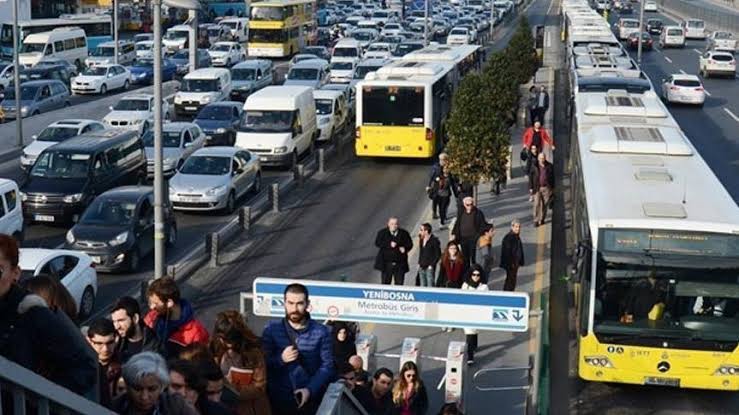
(104, 340)
(511, 255)
(133, 336)
(376, 399)
(429, 253)
(35, 337)
(468, 227)
(394, 243)
(299, 355)
(542, 184)
(436, 171)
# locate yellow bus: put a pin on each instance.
(280, 28)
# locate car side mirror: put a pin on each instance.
(110, 107)
(188, 144)
(33, 137)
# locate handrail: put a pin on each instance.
(25, 385)
(338, 400)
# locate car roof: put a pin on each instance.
(206, 73)
(226, 104)
(95, 140)
(41, 82)
(327, 94)
(132, 193)
(720, 52)
(217, 151)
(226, 42)
(73, 122)
(685, 77)
(311, 63)
(139, 96)
(177, 125)
(30, 258)
(252, 64)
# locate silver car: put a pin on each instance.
(179, 141)
(214, 178)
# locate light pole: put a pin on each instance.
(17, 78)
(193, 40)
(641, 26)
(426, 23)
(115, 31)
(159, 190)
(492, 19)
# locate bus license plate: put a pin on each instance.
(392, 148)
(657, 381)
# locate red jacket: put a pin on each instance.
(528, 137)
(190, 332)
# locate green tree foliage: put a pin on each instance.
(502, 84)
(521, 52)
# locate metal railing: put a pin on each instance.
(339, 400)
(716, 18)
(31, 393)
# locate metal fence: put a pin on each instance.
(338, 400)
(716, 17)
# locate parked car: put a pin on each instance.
(72, 69)
(179, 140)
(654, 26)
(36, 97)
(716, 62)
(104, 53)
(226, 53)
(99, 79)
(56, 132)
(117, 229)
(219, 122)
(632, 41)
(683, 89)
(145, 48)
(250, 76)
(142, 71)
(331, 112)
(181, 59)
(214, 178)
(75, 270)
(134, 112)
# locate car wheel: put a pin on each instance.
(172, 236)
(103, 89)
(257, 185)
(125, 84)
(230, 203)
(87, 303)
(134, 261)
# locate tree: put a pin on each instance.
(521, 52)
(502, 84)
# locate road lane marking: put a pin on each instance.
(682, 72)
(668, 59)
(706, 91)
(697, 51)
(731, 114)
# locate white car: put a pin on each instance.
(226, 53)
(100, 79)
(179, 141)
(683, 89)
(720, 40)
(459, 36)
(134, 112)
(144, 49)
(650, 6)
(716, 62)
(56, 132)
(379, 50)
(74, 269)
(214, 178)
(342, 70)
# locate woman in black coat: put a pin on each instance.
(409, 392)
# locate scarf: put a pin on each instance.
(164, 327)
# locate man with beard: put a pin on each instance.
(134, 336)
(104, 340)
(300, 361)
(172, 318)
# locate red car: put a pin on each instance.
(633, 41)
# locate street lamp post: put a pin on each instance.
(115, 31)
(641, 26)
(194, 40)
(17, 78)
(426, 23)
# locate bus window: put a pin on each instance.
(393, 106)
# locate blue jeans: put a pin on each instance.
(426, 276)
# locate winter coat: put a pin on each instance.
(387, 254)
(535, 175)
(480, 224)
(429, 254)
(419, 403)
(528, 137)
(480, 287)
(177, 334)
(168, 404)
(511, 251)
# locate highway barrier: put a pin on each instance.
(716, 18)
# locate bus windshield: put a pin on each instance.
(392, 106)
(267, 35)
(267, 13)
(667, 285)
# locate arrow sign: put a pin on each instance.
(517, 315)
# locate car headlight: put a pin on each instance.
(141, 75)
(244, 88)
(136, 122)
(216, 190)
(24, 196)
(74, 198)
(120, 239)
(24, 110)
(221, 131)
(206, 99)
(280, 150)
(70, 237)
(169, 164)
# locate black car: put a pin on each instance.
(117, 229)
(219, 122)
(654, 26)
(66, 177)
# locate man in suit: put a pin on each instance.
(542, 186)
(511, 255)
(393, 243)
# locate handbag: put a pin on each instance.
(524, 154)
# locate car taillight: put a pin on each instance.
(711, 61)
(699, 89)
(358, 133)
(429, 134)
(674, 88)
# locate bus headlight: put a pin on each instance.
(599, 361)
(727, 370)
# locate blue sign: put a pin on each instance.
(414, 306)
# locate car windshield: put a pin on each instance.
(315, 51)
(104, 211)
(56, 134)
(303, 74)
(170, 139)
(324, 106)
(238, 74)
(406, 48)
(458, 32)
(176, 34)
(200, 85)
(345, 66)
(215, 112)
(214, 31)
(675, 32)
(345, 52)
(33, 47)
(207, 165)
(61, 165)
(363, 36)
(145, 63)
(132, 105)
(267, 121)
(378, 48)
(698, 24)
(95, 71)
(723, 35)
(629, 24)
(721, 57)
(364, 70)
(144, 46)
(103, 51)
(691, 83)
(222, 47)
(28, 93)
(230, 25)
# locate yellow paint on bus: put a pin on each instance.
(389, 141)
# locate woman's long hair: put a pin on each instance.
(446, 259)
(401, 384)
(231, 328)
(55, 294)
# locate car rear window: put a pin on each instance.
(687, 82)
(675, 32)
(722, 58)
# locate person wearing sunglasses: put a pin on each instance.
(474, 281)
(409, 392)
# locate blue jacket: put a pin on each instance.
(313, 370)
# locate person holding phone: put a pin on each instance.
(299, 355)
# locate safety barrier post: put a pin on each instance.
(410, 351)
(366, 348)
(275, 197)
(455, 373)
(245, 218)
(213, 238)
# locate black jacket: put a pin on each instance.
(168, 404)
(150, 344)
(429, 254)
(511, 251)
(530, 169)
(480, 224)
(419, 403)
(364, 395)
(534, 177)
(46, 342)
(386, 254)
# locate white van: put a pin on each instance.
(238, 28)
(201, 87)
(279, 124)
(625, 27)
(11, 214)
(331, 112)
(694, 29)
(672, 36)
(68, 43)
(177, 38)
(347, 48)
(103, 53)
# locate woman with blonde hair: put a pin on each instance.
(409, 392)
(239, 354)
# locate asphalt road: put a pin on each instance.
(712, 130)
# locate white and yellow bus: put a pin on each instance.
(279, 28)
